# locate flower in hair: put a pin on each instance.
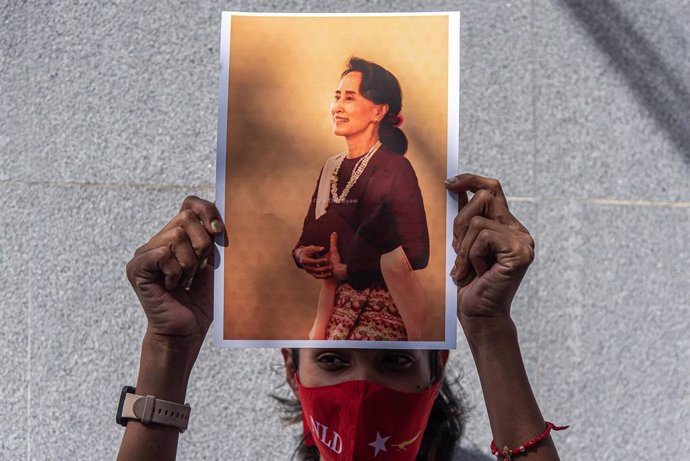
(397, 120)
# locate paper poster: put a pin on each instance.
(335, 135)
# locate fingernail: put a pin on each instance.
(203, 263)
(452, 180)
(215, 225)
(459, 271)
(188, 284)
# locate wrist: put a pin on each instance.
(513, 412)
(483, 332)
(296, 257)
(180, 347)
(165, 366)
(342, 273)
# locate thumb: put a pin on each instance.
(334, 247)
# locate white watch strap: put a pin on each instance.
(149, 409)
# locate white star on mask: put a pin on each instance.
(379, 444)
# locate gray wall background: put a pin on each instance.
(582, 109)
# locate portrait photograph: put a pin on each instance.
(335, 136)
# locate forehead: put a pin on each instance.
(365, 355)
(350, 82)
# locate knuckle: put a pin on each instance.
(187, 216)
(201, 248)
(189, 200)
(476, 222)
(174, 272)
(483, 195)
(207, 206)
(162, 254)
(530, 242)
(493, 184)
(130, 270)
(528, 253)
(483, 235)
(177, 234)
(504, 216)
(187, 265)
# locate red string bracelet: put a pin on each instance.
(507, 453)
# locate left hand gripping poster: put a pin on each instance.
(335, 135)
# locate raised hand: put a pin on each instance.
(171, 275)
(173, 278)
(493, 249)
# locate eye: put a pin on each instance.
(398, 361)
(332, 361)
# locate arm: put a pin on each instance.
(411, 252)
(164, 370)
(409, 217)
(403, 221)
(308, 219)
(514, 414)
(175, 288)
(307, 256)
(493, 253)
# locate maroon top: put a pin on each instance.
(383, 210)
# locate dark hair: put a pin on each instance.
(443, 431)
(381, 87)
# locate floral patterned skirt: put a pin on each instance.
(368, 314)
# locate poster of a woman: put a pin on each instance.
(367, 215)
(363, 262)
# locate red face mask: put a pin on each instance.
(359, 420)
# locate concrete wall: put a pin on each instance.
(582, 109)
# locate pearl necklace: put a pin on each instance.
(356, 173)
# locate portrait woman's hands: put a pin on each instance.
(311, 259)
(338, 269)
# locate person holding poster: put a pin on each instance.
(365, 232)
(341, 393)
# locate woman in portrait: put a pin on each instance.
(365, 232)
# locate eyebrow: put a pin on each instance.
(346, 92)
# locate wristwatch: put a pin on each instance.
(150, 410)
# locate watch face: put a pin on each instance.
(118, 417)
